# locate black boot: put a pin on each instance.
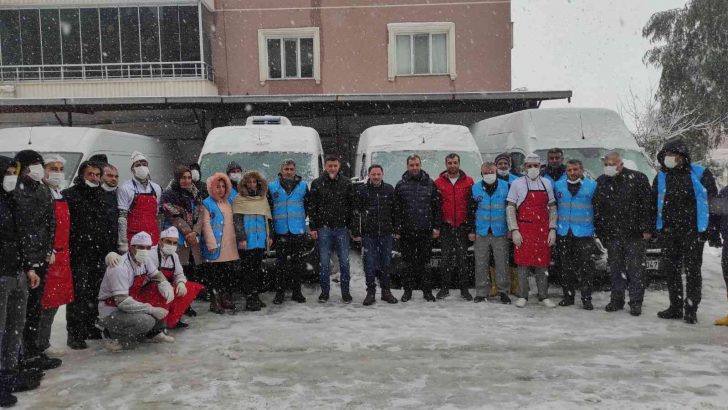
(635, 309)
(346, 296)
(672, 312)
(260, 302)
(504, 299)
(7, 381)
(586, 303)
(442, 294)
(691, 316)
(190, 312)
(76, 344)
(370, 298)
(429, 297)
(42, 362)
(465, 294)
(323, 297)
(280, 297)
(616, 303)
(297, 295)
(406, 296)
(568, 299)
(181, 325)
(388, 297)
(251, 303)
(479, 299)
(26, 381)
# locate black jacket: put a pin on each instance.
(329, 202)
(112, 219)
(623, 206)
(91, 230)
(10, 254)
(36, 221)
(373, 210)
(417, 204)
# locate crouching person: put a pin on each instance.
(126, 320)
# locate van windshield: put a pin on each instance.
(266, 162)
(592, 159)
(73, 159)
(433, 162)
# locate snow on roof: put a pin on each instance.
(415, 136)
(54, 139)
(274, 138)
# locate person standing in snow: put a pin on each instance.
(235, 172)
(722, 207)
(138, 202)
(197, 180)
(109, 184)
(682, 191)
(374, 227)
(508, 173)
(286, 197)
(531, 215)
(555, 170)
(454, 187)
(329, 208)
(575, 233)
(418, 215)
(487, 216)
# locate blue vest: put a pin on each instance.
(233, 194)
(547, 176)
(575, 212)
(289, 215)
(701, 197)
(491, 212)
(255, 229)
(216, 222)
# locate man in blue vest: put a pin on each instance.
(285, 197)
(682, 191)
(505, 168)
(575, 233)
(555, 170)
(487, 214)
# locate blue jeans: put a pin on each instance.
(377, 252)
(327, 237)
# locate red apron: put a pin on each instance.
(143, 215)
(533, 224)
(59, 281)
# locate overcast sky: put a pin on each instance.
(592, 47)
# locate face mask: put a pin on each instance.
(236, 176)
(141, 255)
(195, 175)
(108, 188)
(533, 173)
(503, 172)
(10, 182)
(55, 179)
(489, 178)
(168, 249)
(141, 172)
(610, 170)
(36, 172)
(573, 182)
(670, 162)
(91, 184)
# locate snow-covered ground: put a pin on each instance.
(450, 354)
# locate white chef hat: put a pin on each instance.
(48, 158)
(142, 238)
(137, 156)
(170, 232)
(532, 159)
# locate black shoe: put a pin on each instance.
(260, 302)
(691, 317)
(673, 312)
(280, 297)
(25, 381)
(346, 297)
(297, 296)
(94, 334)
(42, 362)
(479, 299)
(504, 299)
(76, 344)
(427, 294)
(442, 294)
(635, 310)
(7, 381)
(586, 304)
(251, 304)
(567, 301)
(370, 299)
(181, 325)
(7, 399)
(465, 294)
(406, 296)
(323, 297)
(190, 312)
(388, 297)
(614, 305)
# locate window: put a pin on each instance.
(421, 49)
(289, 54)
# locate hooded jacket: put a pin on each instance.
(417, 204)
(217, 223)
(262, 205)
(36, 220)
(10, 250)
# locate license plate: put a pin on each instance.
(653, 264)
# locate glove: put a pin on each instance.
(113, 259)
(181, 289)
(165, 289)
(52, 258)
(158, 313)
(517, 238)
(552, 237)
(123, 248)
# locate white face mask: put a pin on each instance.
(670, 162)
(36, 172)
(10, 182)
(574, 182)
(195, 175)
(503, 172)
(168, 249)
(610, 170)
(91, 184)
(141, 172)
(533, 173)
(55, 179)
(490, 178)
(108, 188)
(236, 176)
(141, 255)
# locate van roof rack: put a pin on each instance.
(267, 120)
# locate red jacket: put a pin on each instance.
(454, 198)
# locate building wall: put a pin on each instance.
(108, 89)
(354, 41)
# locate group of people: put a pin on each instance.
(119, 255)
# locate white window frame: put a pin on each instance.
(280, 33)
(396, 29)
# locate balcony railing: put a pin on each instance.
(183, 70)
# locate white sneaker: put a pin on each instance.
(162, 337)
(548, 303)
(113, 345)
(521, 302)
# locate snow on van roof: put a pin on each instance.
(61, 139)
(555, 127)
(411, 135)
(279, 138)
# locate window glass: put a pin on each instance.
(404, 55)
(129, 21)
(439, 54)
(170, 33)
(109, 24)
(291, 57)
(306, 57)
(274, 58)
(9, 35)
(422, 54)
(30, 37)
(90, 40)
(189, 31)
(149, 24)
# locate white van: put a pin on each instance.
(583, 133)
(79, 144)
(390, 145)
(262, 144)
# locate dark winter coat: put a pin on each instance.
(373, 210)
(554, 173)
(623, 206)
(181, 207)
(329, 202)
(10, 253)
(36, 220)
(91, 230)
(112, 219)
(417, 204)
(679, 213)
